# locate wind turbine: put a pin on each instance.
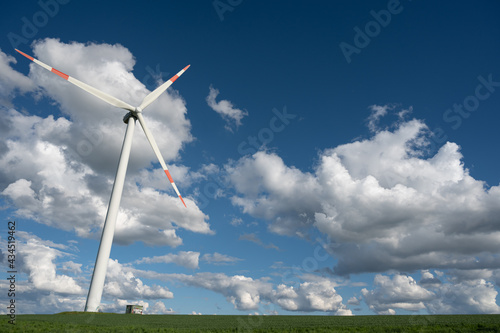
(135, 113)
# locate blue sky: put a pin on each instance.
(336, 158)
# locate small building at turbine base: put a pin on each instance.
(134, 309)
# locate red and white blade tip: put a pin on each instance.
(24, 54)
(176, 76)
(47, 67)
(174, 186)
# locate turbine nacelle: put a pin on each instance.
(129, 115)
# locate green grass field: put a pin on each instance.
(110, 322)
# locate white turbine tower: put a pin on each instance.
(135, 113)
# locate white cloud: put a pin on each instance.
(153, 217)
(236, 221)
(383, 203)
(271, 190)
(377, 112)
(187, 259)
(471, 297)
(52, 303)
(37, 258)
(225, 108)
(243, 292)
(38, 178)
(309, 296)
(122, 283)
(402, 292)
(354, 301)
(160, 308)
(72, 268)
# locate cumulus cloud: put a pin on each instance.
(38, 259)
(471, 297)
(123, 284)
(72, 268)
(58, 170)
(382, 201)
(38, 179)
(354, 301)
(160, 308)
(310, 296)
(402, 292)
(283, 195)
(225, 108)
(153, 217)
(243, 292)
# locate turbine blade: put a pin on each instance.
(158, 91)
(152, 141)
(102, 95)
